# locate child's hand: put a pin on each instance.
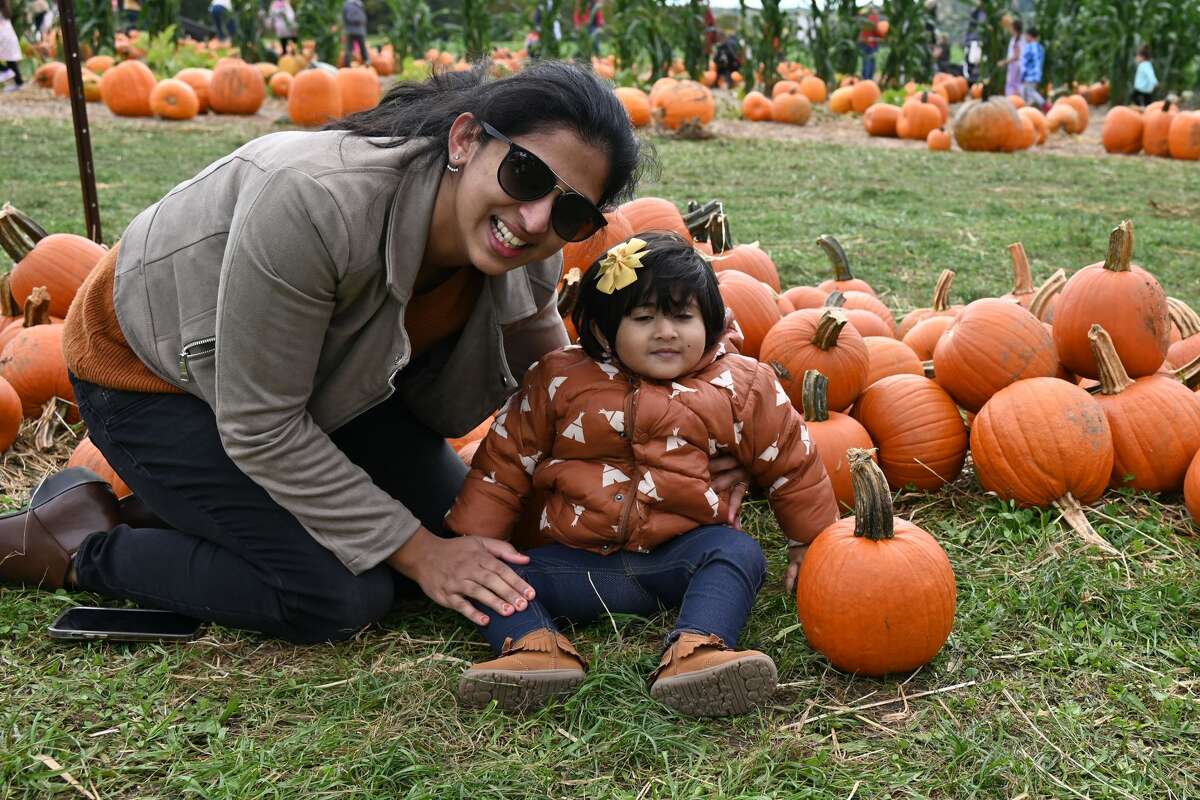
(795, 559)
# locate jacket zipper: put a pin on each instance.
(630, 418)
(199, 347)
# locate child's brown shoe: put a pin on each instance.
(540, 666)
(701, 677)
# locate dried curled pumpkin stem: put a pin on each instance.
(1120, 248)
(1113, 377)
(835, 299)
(1184, 317)
(8, 303)
(941, 290)
(18, 232)
(815, 396)
(37, 307)
(829, 329)
(1189, 374)
(872, 497)
(1040, 304)
(719, 237)
(1072, 512)
(1022, 273)
(837, 257)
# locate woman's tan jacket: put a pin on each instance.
(624, 459)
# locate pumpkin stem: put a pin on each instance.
(1186, 319)
(1189, 374)
(37, 307)
(1022, 274)
(1120, 248)
(829, 329)
(1072, 512)
(941, 292)
(815, 396)
(872, 497)
(837, 257)
(569, 297)
(18, 232)
(835, 299)
(719, 237)
(8, 303)
(928, 370)
(1113, 377)
(698, 216)
(1040, 304)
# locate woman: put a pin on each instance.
(273, 354)
(1012, 83)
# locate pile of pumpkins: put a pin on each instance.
(791, 101)
(315, 94)
(34, 297)
(1162, 129)
(671, 103)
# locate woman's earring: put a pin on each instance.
(453, 168)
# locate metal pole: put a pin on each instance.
(83, 138)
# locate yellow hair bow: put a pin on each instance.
(618, 265)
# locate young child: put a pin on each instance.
(1033, 57)
(1012, 81)
(10, 50)
(1144, 81)
(619, 431)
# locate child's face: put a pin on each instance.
(660, 345)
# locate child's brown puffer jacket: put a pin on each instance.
(624, 460)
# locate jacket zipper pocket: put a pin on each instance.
(200, 347)
(630, 415)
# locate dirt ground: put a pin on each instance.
(823, 127)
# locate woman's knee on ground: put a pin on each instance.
(343, 605)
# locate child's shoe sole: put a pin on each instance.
(516, 691)
(731, 688)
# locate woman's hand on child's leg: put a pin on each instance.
(795, 559)
(729, 475)
(452, 572)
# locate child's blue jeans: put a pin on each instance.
(711, 574)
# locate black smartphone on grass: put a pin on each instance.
(88, 623)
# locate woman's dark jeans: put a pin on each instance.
(233, 555)
(711, 574)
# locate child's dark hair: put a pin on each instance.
(672, 274)
(1032, 31)
(1144, 51)
(1018, 26)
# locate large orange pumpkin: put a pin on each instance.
(1125, 300)
(636, 104)
(875, 594)
(236, 88)
(1183, 137)
(792, 108)
(987, 125)
(820, 339)
(834, 434)
(881, 120)
(750, 259)
(888, 356)
(174, 99)
(991, 344)
(1122, 131)
(126, 89)
(86, 454)
(753, 306)
(1155, 422)
(843, 279)
(924, 336)
(813, 88)
(920, 434)
(33, 363)
(683, 101)
(359, 87)
(863, 95)
(11, 415)
(199, 79)
(1156, 128)
(655, 214)
(60, 262)
(919, 117)
(842, 100)
(314, 98)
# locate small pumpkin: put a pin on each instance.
(756, 107)
(33, 362)
(636, 104)
(806, 297)
(199, 79)
(1125, 300)
(280, 84)
(820, 339)
(236, 88)
(44, 75)
(875, 594)
(174, 99)
(1187, 322)
(924, 336)
(863, 95)
(60, 262)
(919, 116)
(750, 259)
(813, 88)
(841, 101)
(683, 101)
(753, 306)
(99, 64)
(791, 108)
(1156, 128)
(938, 140)
(865, 321)
(916, 425)
(834, 434)
(1080, 106)
(881, 120)
(1122, 131)
(888, 356)
(86, 454)
(655, 214)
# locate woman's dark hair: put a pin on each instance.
(545, 95)
(5, 9)
(1018, 26)
(671, 275)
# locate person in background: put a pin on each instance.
(1033, 58)
(354, 19)
(10, 49)
(941, 56)
(222, 16)
(281, 19)
(587, 14)
(712, 34)
(1145, 81)
(868, 41)
(1012, 84)
(40, 9)
(972, 43)
(728, 60)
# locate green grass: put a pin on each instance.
(1085, 668)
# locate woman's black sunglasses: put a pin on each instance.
(525, 177)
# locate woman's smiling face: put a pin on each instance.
(497, 233)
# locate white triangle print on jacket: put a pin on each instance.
(674, 441)
(575, 429)
(545, 523)
(615, 418)
(554, 384)
(777, 484)
(612, 475)
(725, 381)
(678, 389)
(525, 402)
(498, 425)
(714, 502)
(531, 461)
(807, 439)
(608, 369)
(578, 513)
(781, 397)
(647, 487)
(737, 432)
(771, 453)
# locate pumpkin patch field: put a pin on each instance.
(924, 289)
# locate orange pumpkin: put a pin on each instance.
(683, 101)
(750, 259)
(33, 363)
(791, 108)
(174, 99)
(86, 454)
(806, 297)
(841, 101)
(875, 594)
(655, 214)
(1122, 131)
(44, 75)
(813, 88)
(987, 125)
(784, 87)
(1155, 422)
(753, 306)
(581, 255)
(834, 434)
(939, 307)
(236, 88)
(1183, 137)
(1125, 300)
(920, 434)
(1191, 489)
(1080, 105)
(11, 415)
(1062, 117)
(865, 321)
(756, 107)
(843, 279)
(126, 89)
(864, 95)
(820, 339)
(1038, 119)
(1017, 101)
(888, 356)
(280, 84)
(60, 262)
(919, 117)
(199, 79)
(1187, 322)
(938, 140)
(1156, 128)
(924, 336)
(636, 104)
(881, 119)
(314, 98)
(359, 88)
(99, 64)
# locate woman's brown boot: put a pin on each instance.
(528, 673)
(701, 677)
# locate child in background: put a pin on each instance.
(1145, 81)
(281, 19)
(618, 432)
(1033, 57)
(10, 49)
(1013, 82)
